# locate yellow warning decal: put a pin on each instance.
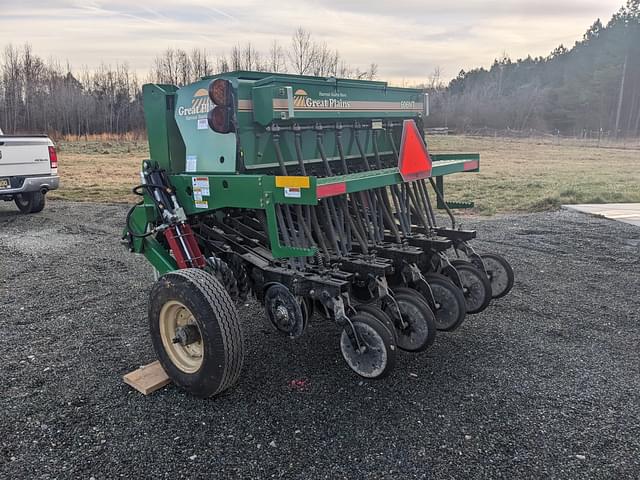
(293, 182)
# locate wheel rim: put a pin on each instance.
(473, 289)
(372, 361)
(284, 311)
(187, 358)
(498, 275)
(416, 334)
(447, 310)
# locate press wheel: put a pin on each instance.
(377, 355)
(475, 286)
(500, 274)
(380, 315)
(415, 323)
(450, 308)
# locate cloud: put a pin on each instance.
(407, 38)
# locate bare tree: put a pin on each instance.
(435, 80)
(277, 62)
(251, 58)
(325, 61)
(344, 70)
(37, 96)
(222, 64)
(303, 52)
(200, 64)
(236, 58)
(183, 67)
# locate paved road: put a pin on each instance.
(545, 383)
(622, 212)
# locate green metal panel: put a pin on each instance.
(262, 101)
(211, 171)
(206, 150)
(360, 181)
(236, 191)
(251, 191)
(317, 99)
(165, 142)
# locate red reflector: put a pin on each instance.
(331, 190)
(53, 157)
(414, 162)
(473, 165)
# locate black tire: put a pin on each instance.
(215, 316)
(225, 275)
(450, 309)
(421, 331)
(475, 287)
(242, 278)
(32, 202)
(459, 261)
(500, 274)
(379, 358)
(380, 315)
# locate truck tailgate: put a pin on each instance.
(24, 155)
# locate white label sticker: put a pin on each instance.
(203, 124)
(200, 187)
(201, 183)
(192, 163)
(291, 192)
(201, 204)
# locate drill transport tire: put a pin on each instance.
(196, 332)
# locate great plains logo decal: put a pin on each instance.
(336, 101)
(200, 103)
(299, 97)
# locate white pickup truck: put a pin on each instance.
(28, 170)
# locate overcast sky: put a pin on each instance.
(406, 38)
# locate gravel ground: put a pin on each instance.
(543, 383)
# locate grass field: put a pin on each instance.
(516, 175)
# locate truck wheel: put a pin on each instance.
(32, 202)
(196, 332)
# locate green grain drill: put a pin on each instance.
(312, 195)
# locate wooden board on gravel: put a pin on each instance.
(148, 378)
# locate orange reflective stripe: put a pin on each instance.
(293, 182)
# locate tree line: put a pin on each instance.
(50, 96)
(589, 89)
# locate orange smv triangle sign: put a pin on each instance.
(414, 162)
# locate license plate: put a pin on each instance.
(5, 184)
